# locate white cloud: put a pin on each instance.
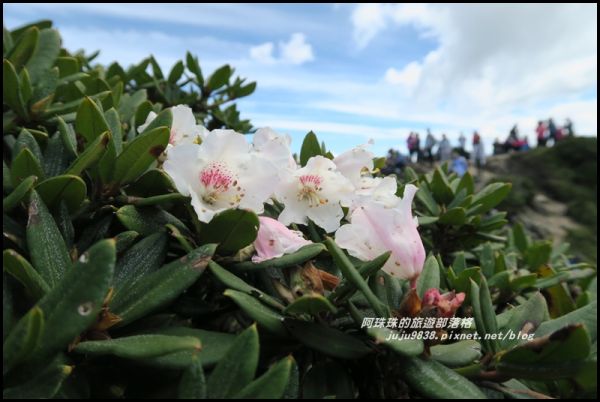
(295, 51)
(408, 77)
(263, 53)
(368, 21)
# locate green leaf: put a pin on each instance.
(245, 90)
(194, 67)
(47, 249)
(237, 368)
(488, 314)
(440, 187)
(475, 295)
(92, 154)
(353, 276)
(263, 315)
(429, 278)
(176, 72)
(346, 288)
(525, 318)
(27, 140)
(68, 188)
(21, 270)
(587, 316)
(24, 47)
(124, 240)
(90, 122)
(25, 165)
(426, 198)
(67, 66)
(192, 384)
(73, 304)
(138, 155)
(11, 90)
(44, 384)
(23, 339)
(67, 135)
(163, 119)
(162, 286)
(138, 346)
(148, 220)
(561, 354)
(44, 55)
(310, 148)
(489, 197)
(454, 216)
(214, 346)
(232, 281)
(219, 78)
(391, 339)
(18, 194)
(434, 380)
(272, 384)
(327, 340)
(310, 304)
(153, 182)
(458, 354)
(144, 257)
(232, 229)
(328, 379)
(303, 254)
(466, 182)
(387, 288)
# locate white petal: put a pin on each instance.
(224, 145)
(151, 116)
(353, 162)
(182, 166)
(326, 216)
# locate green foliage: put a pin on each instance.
(112, 288)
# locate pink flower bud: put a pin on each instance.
(446, 303)
(275, 239)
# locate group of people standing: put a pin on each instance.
(546, 131)
(443, 150)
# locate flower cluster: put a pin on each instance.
(220, 170)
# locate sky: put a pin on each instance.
(356, 72)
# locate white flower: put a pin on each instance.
(274, 147)
(381, 190)
(184, 129)
(355, 163)
(375, 229)
(316, 192)
(221, 173)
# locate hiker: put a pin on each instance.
(542, 133)
(430, 141)
(444, 149)
(552, 130)
(411, 145)
(417, 146)
(498, 147)
(478, 152)
(462, 141)
(460, 165)
(512, 142)
(568, 127)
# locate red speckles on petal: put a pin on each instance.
(311, 179)
(216, 176)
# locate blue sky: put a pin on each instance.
(355, 72)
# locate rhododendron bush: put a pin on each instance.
(153, 249)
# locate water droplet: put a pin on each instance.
(85, 308)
